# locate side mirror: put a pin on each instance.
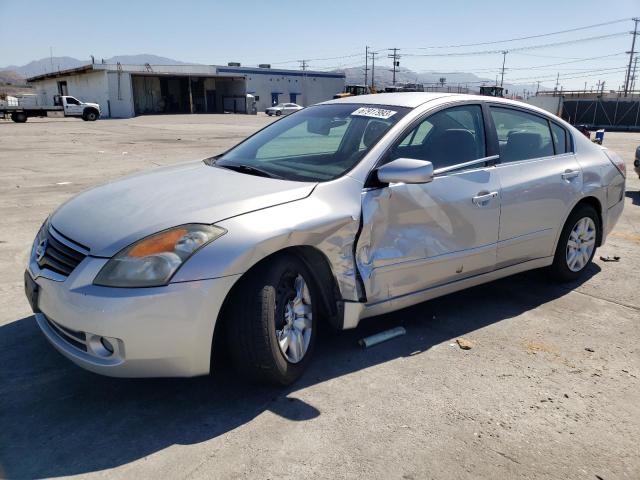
(406, 170)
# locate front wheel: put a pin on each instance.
(577, 244)
(272, 322)
(90, 116)
(278, 113)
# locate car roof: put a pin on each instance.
(415, 99)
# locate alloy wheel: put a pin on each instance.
(581, 243)
(294, 335)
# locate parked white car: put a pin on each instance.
(345, 210)
(283, 109)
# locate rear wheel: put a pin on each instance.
(272, 322)
(278, 113)
(577, 244)
(19, 117)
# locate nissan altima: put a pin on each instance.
(344, 210)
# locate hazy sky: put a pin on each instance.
(281, 32)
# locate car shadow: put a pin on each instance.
(634, 196)
(57, 419)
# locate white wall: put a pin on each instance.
(86, 87)
(121, 105)
(311, 88)
(546, 102)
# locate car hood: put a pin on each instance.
(110, 217)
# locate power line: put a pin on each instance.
(528, 37)
(518, 49)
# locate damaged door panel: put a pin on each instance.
(419, 236)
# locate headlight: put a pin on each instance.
(152, 261)
(40, 236)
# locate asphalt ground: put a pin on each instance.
(549, 389)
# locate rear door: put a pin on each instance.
(539, 178)
(415, 237)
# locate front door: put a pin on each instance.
(416, 237)
(540, 179)
(72, 106)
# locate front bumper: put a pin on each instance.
(153, 332)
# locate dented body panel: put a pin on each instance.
(418, 236)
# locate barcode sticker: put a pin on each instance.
(374, 112)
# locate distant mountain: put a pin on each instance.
(44, 65)
(384, 77)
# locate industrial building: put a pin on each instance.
(125, 91)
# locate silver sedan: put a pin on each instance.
(283, 109)
(342, 211)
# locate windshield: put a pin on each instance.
(316, 144)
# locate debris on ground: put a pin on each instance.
(464, 344)
(589, 349)
(609, 258)
(372, 340)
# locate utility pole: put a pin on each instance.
(51, 57)
(538, 88)
(557, 82)
(633, 75)
(504, 59)
(303, 64)
(396, 61)
(366, 64)
(373, 69)
(631, 54)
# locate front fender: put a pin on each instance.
(328, 220)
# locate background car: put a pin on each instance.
(283, 109)
(636, 162)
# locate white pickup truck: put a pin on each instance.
(19, 108)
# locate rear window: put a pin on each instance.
(560, 139)
(521, 135)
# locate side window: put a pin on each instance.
(72, 101)
(521, 135)
(560, 139)
(446, 138)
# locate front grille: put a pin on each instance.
(59, 257)
(77, 339)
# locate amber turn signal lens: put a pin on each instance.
(164, 242)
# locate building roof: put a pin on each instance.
(183, 69)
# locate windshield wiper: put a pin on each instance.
(250, 170)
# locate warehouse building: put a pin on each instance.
(125, 91)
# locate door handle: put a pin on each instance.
(482, 199)
(569, 174)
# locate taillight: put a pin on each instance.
(617, 161)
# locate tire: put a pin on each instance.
(583, 230)
(19, 117)
(90, 116)
(278, 113)
(262, 311)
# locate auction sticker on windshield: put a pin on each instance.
(374, 112)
